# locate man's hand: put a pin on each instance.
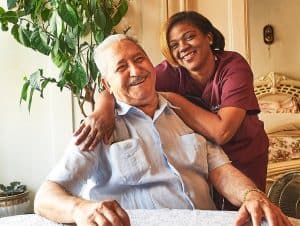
(93, 129)
(257, 206)
(106, 213)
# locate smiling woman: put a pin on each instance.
(197, 66)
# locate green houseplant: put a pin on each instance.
(67, 31)
(14, 199)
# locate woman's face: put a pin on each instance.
(190, 47)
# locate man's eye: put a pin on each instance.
(139, 59)
(121, 68)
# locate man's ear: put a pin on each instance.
(106, 85)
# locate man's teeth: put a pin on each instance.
(137, 81)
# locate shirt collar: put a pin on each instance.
(123, 108)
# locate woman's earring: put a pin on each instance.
(211, 42)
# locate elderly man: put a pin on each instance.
(153, 159)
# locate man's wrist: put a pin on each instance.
(75, 206)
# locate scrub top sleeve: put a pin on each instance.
(167, 77)
(237, 88)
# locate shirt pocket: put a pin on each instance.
(128, 161)
(195, 153)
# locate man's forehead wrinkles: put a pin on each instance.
(128, 56)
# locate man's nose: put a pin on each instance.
(135, 70)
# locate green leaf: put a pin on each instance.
(24, 36)
(2, 11)
(123, 7)
(57, 55)
(100, 18)
(93, 69)
(64, 69)
(43, 85)
(79, 76)
(10, 16)
(28, 5)
(99, 36)
(108, 27)
(93, 5)
(34, 81)
(61, 83)
(30, 99)
(15, 32)
(37, 9)
(46, 14)
(4, 26)
(35, 78)
(38, 41)
(116, 19)
(11, 4)
(53, 24)
(122, 10)
(70, 40)
(14, 184)
(62, 43)
(24, 90)
(86, 29)
(68, 14)
(2, 187)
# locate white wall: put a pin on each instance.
(29, 143)
(283, 55)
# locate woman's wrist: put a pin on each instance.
(247, 193)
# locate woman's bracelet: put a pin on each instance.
(251, 190)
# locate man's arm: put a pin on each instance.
(241, 191)
(56, 204)
(53, 202)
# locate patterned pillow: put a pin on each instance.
(288, 105)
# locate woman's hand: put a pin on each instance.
(99, 125)
(96, 127)
(257, 207)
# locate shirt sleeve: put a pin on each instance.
(74, 169)
(215, 156)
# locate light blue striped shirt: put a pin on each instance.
(151, 163)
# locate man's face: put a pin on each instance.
(131, 75)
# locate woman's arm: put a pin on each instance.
(241, 191)
(219, 127)
(98, 125)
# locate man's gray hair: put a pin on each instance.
(100, 57)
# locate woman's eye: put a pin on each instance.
(189, 37)
(173, 46)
